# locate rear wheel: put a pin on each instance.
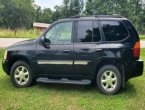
(109, 80)
(21, 75)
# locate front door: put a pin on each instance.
(57, 59)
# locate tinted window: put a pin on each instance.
(96, 32)
(131, 28)
(114, 30)
(86, 32)
(60, 33)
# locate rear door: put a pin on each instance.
(86, 48)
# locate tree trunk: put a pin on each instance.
(15, 32)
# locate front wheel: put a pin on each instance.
(21, 75)
(109, 80)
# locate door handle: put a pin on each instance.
(98, 50)
(67, 51)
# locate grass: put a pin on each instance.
(21, 33)
(70, 97)
(142, 37)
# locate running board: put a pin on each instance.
(64, 81)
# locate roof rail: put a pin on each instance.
(109, 16)
(76, 16)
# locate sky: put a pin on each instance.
(48, 3)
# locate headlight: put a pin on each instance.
(5, 55)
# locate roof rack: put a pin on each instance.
(77, 16)
(107, 16)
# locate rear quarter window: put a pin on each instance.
(114, 30)
(131, 29)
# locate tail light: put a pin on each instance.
(136, 51)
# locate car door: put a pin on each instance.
(87, 48)
(56, 59)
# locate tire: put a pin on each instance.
(109, 80)
(21, 75)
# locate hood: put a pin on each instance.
(23, 43)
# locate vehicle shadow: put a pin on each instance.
(128, 91)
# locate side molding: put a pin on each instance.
(62, 62)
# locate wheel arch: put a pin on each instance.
(14, 59)
(115, 62)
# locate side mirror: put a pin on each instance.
(45, 42)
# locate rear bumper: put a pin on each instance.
(135, 69)
(5, 66)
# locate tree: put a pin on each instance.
(57, 14)
(47, 15)
(22, 13)
(17, 14)
(76, 7)
(38, 14)
(132, 9)
(1, 10)
(69, 8)
(66, 8)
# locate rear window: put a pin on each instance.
(114, 30)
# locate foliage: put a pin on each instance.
(16, 14)
(132, 9)
(23, 13)
(142, 37)
(68, 9)
(44, 16)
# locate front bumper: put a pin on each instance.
(5, 66)
(135, 69)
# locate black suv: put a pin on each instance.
(79, 50)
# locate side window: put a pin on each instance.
(60, 33)
(88, 31)
(84, 31)
(96, 32)
(114, 30)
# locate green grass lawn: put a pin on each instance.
(69, 97)
(142, 37)
(21, 33)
